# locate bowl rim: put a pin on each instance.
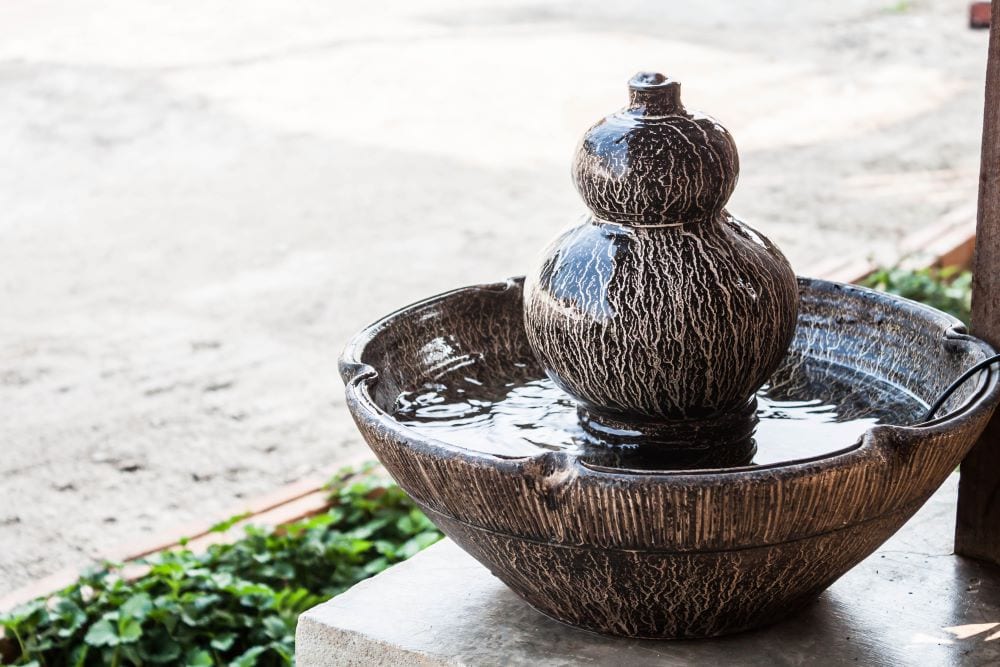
(359, 376)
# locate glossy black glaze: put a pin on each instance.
(660, 307)
(654, 163)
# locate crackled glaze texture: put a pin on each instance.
(660, 306)
(672, 554)
(654, 163)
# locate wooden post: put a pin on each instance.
(978, 530)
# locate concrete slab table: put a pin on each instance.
(911, 603)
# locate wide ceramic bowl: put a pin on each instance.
(691, 553)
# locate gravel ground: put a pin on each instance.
(202, 202)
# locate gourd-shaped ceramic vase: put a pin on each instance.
(661, 313)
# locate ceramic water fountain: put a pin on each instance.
(663, 433)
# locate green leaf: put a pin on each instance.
(71, 616)
(129, 630)
(102, 633)
(199, 658)
(406, 524)
(223, 642)
(275, 627)
(129, 654)
(78, 656)
(249, 657)
(286, 651)
(159, 647)
(373, 567)
(137, 606)
(419, 543)
(223, 526)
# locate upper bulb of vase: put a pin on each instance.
(653, 163)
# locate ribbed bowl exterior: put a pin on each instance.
(679, 554)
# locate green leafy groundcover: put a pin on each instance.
(235, 604)
(948, 289)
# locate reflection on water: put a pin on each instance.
(809, 408)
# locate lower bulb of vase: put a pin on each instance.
(721, 441)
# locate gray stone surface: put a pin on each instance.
(202, 201)
(910, 603)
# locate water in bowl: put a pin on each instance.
(809, 408)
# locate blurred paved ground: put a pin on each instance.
(202, 201)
